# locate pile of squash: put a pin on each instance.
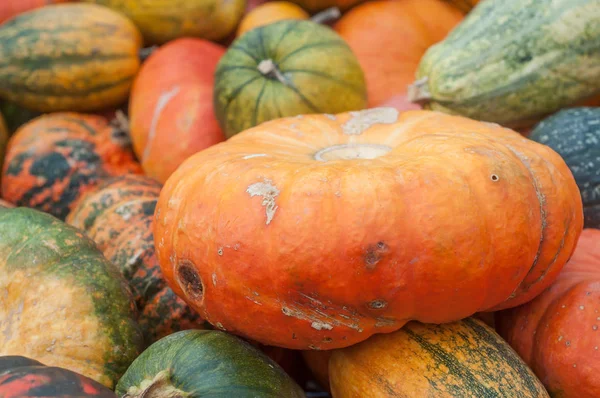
(303, 198)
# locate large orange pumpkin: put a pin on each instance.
(11, 8)
(331, 228)
(390, 37)
(558, 333)
(171, 105)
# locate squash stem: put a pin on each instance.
(328, 15)
(418, 92)
(268, 68)
(159, 387)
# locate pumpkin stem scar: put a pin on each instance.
(159, 387)
(268, 68)
(190, 281)
(418, 92)
(327, 15)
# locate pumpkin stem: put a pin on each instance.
(159, 387)
(268, 68)
(330, 14)
(418, 92)
(120, 125)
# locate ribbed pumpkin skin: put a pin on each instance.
(514, 61)
(171, 109)
(319, 5)
(68, 57)
(22, 377)
(389, 39)
(206, 363)
(161, 21)
(460, 359)
(63, 304)
(557, 332)
(118, 217)
(575, 135)
(352, 246)
(54, 159)
(321, 74)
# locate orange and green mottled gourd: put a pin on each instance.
(118, 216)
(63, 303)
(68, 57)
(360, 221)
(161, 21)
(11, 8)
(459, 359)
(558, 333)
(52, 160)
(171, 109)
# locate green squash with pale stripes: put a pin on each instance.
(514, 61)
(284, 69)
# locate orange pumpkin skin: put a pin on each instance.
(171, 105)
(390, 37)
(270, 12)
(357, 246)
(11, 8)
(54, 159)
(557, 333)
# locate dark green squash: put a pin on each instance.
(575, 135)
(63, 303)
(287, 68)
(205, 363)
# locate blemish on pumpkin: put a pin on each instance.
(189, 280)
(327, 340)
(321, 325)
(255, 155)
(287, 311)
(220, 326)
(162, 101)
(364, 120)
(220, 251)
(377, 304)
(330, 116)
(314, 347)
(581, 307)
(494, 177)
(268, 192)
(214, 279)
(374, 254)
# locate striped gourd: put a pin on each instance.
(514, 61)
(76, 57)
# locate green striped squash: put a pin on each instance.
(75, 57)
(286, 69)
(63, 303)
(514, 61)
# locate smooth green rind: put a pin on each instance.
(322, 76)
(207, 364)
(514, 61)
(45, 246)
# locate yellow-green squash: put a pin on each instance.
(514, 61)
(284, 69)
(68, 57)
(161, 21)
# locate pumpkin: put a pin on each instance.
(161, 21)
(171, 109)
(68, 57)
(557, 332)
(22, 377)
(118, 215)
(389, 39)
(52, 160)
(201, 363)
(64, 304)
(10, 8)
(267, 13)
(575, 135)
(360, 222)
(5, 204)
(463, 5)
(320, 5)
(514, 61)
(286, 68)
(459, 359)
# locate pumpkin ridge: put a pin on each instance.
(258, 99)
(291, 54)
(290, 28)
(354, 87)
(243, 49)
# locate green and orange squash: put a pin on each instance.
(118, 216)
(11, 8)
(52, 160)
(360, 221)
(68, 57)
(459, 359)
(21, 377)
(557, 333)
(64, 304)
(204, 363)
(575, 135)
(161, 21)
(514, 61)
(171, 105)
(283, 69)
